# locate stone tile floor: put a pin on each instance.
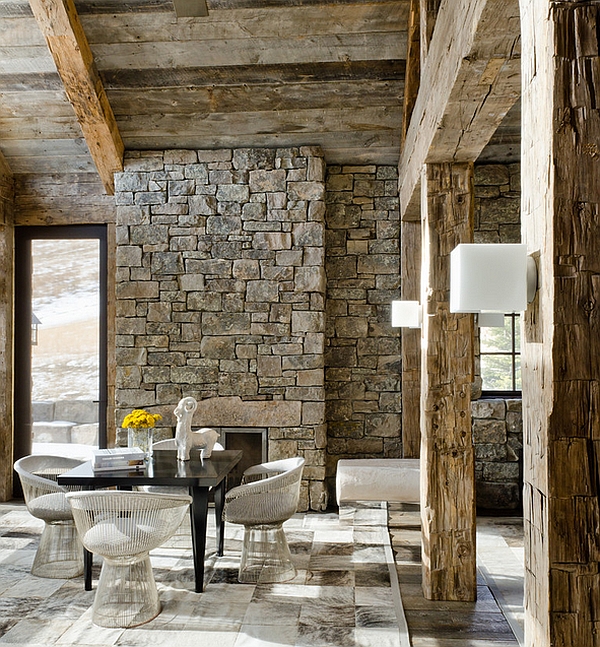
(345, 593)
(496, 618)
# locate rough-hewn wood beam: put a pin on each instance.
(428, 10)
(560, 345)
(413, 66)
(469, 81)
(447, 452)
(74, 61)
(6, 317)
(410, 269)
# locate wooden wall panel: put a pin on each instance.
(447, 452)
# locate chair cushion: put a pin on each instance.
(121, 537)
(51, 507)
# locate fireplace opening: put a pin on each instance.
(253, 443)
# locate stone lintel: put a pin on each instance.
(235, 412)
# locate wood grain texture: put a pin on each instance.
(6, 328)
(561, 198)
(59, 22)
(428, 15)
(410, 272)
(413, 65)
(469, 81)
(447, 452)
(62, 199)
(283, 70)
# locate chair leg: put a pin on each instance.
(60, 553)
(127, 595)
(265, 555)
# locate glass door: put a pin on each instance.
(60, 340)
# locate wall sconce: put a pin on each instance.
(491, 278)
(406, 314)
(490, 320)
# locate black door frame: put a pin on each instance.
(22, 335)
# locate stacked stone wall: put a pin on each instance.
(221, 288)
(498, 437)
(497, 423)
(363, 351)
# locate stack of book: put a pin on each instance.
(119, 458)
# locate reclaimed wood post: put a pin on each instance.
(560, 354)
(447, 453)
(6, 341)
(410, 263)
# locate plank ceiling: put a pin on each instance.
(251, 73)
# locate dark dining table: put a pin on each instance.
(200, 476)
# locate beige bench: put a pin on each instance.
(378, 479)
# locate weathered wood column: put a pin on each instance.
(6, 308)
(410, 264)
(561, 345)
(447, 454)
(410, 259)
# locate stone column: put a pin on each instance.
(447, 454)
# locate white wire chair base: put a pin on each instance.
(266, 555)
(60, 553)
(123, 527)
(126, 595)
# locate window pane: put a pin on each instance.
(496, 372)
(518, 383)
(518, 334)
(497, 339)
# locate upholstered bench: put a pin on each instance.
(378, 479)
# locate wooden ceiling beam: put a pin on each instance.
(60, 25)
(6, 191)
(469, 81)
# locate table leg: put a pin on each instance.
(219, 494)
(199, 512)
(87, 569)
(87, 560)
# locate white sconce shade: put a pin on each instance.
(490, 320)
(491, 278)
(406, 314)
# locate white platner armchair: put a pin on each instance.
(123, 527)
(59, 554)
(267, 497)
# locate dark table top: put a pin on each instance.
(162, 469)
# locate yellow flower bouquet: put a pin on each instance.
(139, 424)
(139, 418)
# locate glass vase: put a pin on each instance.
(140, 437)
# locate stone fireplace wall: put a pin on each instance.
(362, 356)
(221, 294)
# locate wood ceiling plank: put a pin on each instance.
(255, 98)
(228, 75)
(284, 122)
(473, 66)
(39, 126)
(261, 51)
(69, 47)
(52, 164)
(31, 104)
(301, 22)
